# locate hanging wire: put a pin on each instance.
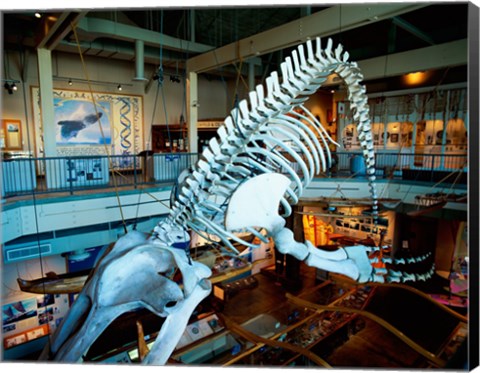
(100, 126)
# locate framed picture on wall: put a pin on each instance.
(11, 134)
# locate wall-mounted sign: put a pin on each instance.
(209, 124)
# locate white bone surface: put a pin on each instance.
(175, 324)
(255, 203)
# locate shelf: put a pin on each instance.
(174, 138)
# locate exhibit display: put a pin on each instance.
(240, 187)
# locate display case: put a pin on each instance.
(170, 138)
(173, 138)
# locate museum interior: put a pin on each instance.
(241, 186)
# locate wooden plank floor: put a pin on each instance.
(268, 295)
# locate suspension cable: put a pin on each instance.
(84, 67)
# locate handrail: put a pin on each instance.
(415, 346)
(411, 289)
(76, 173)
(234, 327)
(453, 313)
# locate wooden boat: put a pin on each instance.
(68, 283)
(72, 283)
(430, 202)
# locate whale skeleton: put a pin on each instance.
(267, 152)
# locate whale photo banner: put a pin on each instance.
(114, 122)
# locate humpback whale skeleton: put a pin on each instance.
(267, 152)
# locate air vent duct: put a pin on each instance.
(28, 252)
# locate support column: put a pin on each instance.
(192, 92)
(46, 101)
(414, 133)
(139, 61)
(446, 117)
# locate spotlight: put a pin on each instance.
(38, 15)
(14, 86)
(70, 82)
(119, 87)
(8, 87)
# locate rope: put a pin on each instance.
(34, 199)
(84, 67)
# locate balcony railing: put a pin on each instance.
(23, 176)
(388, 163)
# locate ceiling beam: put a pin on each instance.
(90, 29)
(438, 56)
(407, 26)
(56, 32)
(109, 48)
(324, 23)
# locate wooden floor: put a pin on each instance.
(268, 295)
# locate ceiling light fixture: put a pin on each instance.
(415, 78)
(70, 82)
(119, 87)
(38, 15)
(68, 79)
(10, 86)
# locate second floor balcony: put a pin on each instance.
(71, 175)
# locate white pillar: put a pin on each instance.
(46, 102)
(192, 92)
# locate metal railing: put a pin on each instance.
(22, 176)
(409, 166)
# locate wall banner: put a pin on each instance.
(82, 129)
